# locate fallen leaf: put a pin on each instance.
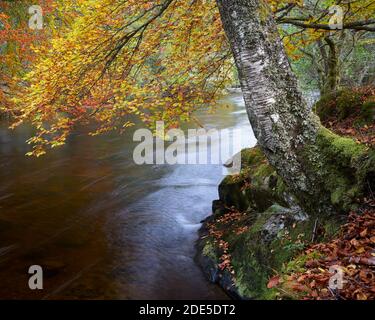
(363, 233)
(273, 282)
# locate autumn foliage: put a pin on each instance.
(111, 61)
(16, 48)
(152, 59)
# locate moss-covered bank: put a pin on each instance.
(345, 169)
(258, 227)
(347, 103)
(269, 231)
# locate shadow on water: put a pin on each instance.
(99, 225)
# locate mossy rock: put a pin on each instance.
(256, 187)
(345, 168)
(251, 157)
(273, 239)
(346, 103)
(258, 255)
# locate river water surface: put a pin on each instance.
(101, 226)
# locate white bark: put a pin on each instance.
(280, 117)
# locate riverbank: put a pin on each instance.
(258, 234)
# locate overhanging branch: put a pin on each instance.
(365, 25)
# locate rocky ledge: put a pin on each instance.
(256, 229)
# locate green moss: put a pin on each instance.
(253, 163)
(231, 194)
(263, 171)
(209, 250)
(346, 149)
(280, 187)
(249, 260)
(298, 264)
(345, 103)
(342, 166)
(251, 157)
(340, 104)
(367, 113)
(255, 258)
(331, 227)
(254, 263)
(255, 166)
(325, 107)
(255, 187)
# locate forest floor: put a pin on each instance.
(352, 254)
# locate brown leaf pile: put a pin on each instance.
(353, 252)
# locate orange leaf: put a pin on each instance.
(273, 282)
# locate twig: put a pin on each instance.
(314, 230)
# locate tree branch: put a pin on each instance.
(358, 25)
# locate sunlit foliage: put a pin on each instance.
(158, 60)
(109, 61)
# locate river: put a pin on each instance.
(101, 226)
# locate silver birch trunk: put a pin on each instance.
(280, 117)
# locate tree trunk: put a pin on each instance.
(280, 117)
(332, 77)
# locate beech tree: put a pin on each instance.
(161, 60)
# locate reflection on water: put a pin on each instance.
(100, 226)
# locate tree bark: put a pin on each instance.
(332, 77)
(280, 117)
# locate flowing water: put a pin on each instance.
(101, 226)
